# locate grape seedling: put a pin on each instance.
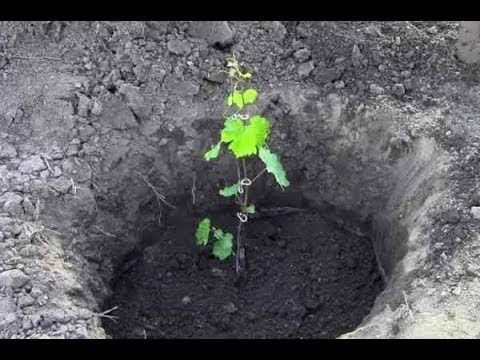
(246, 136)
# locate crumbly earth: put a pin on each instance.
(306, 278)
(378, 120)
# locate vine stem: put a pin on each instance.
(259, 174)
(243, 199)
(238, 171)
(245, 176)
(240, 255)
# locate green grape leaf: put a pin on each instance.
(218, 234)
(244, 140)
(236, 98)
(240, 99)
(222, 248)
(229, 190)
(261, 127)
(249, 96)
(245, 144)
(213, 152)
(250, 209)
(233, 129)
(274, 166)
(203, 232)
(246, 75)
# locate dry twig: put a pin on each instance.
(52, 231)
(74, 188)
(194, 187)
(45, 160)
(105, 314)
(36, 214)
(104, 232)
(408, 307)
(155, 191)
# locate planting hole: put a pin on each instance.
(308, 275)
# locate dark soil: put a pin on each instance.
(88, 107)
(306, 278)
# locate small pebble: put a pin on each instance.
(475, 211)
(218, 272)
(305, 69)
(230, 308)
(302, 55)
(376, 90)
(399, 89)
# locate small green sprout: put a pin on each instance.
(250, 209)
(203, 232)
(222, 247)
(229, 191)
(224, 244)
